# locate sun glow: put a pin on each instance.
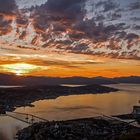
(20, 68)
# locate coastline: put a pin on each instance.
(25, 96)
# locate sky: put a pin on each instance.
(64, 38)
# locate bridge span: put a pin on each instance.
(26, 118)
(30, 119)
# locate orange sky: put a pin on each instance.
(67, 65)
(70, 38)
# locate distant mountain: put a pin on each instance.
(6, 79)
(131, 79)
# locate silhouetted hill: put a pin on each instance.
(6, 79)
(131, 79)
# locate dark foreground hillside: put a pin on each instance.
(81, 129)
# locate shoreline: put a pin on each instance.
(25, 96)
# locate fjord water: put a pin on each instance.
(76, 106)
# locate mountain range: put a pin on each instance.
(6, 79)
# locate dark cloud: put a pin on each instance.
(135, 18)
(107, 5)
(136, 27)
(5, 26)
(79, 47)
(135, 5)
(97, 32)
(62, 25)
(100, 17)
(22, 21)
(75, 35)
(131, 36)
(68, 8)
(34, 40)
(121, 34)
(59, 27)
(130, 55)
(115, 16)
(41, 23)
(87, 26)
(68, 15)
(7, 6)
(26, 47)
(63, 11)
(124, 55)
(91, 29)
(64, 42)
(23, 35)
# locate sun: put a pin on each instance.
(20, 69)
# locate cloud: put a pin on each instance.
(131, 36)
(136, 27)
(67, 8)
(115, 16)
(107, 5)
(135, 5)
(97, 32)
(68, 26)
(22, 21)
(135, 18)
(52, 12)
(7, 6)
(59, 27)
(5, 26)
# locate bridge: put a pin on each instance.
(129, 122)
(30, 119)
(26, 118)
